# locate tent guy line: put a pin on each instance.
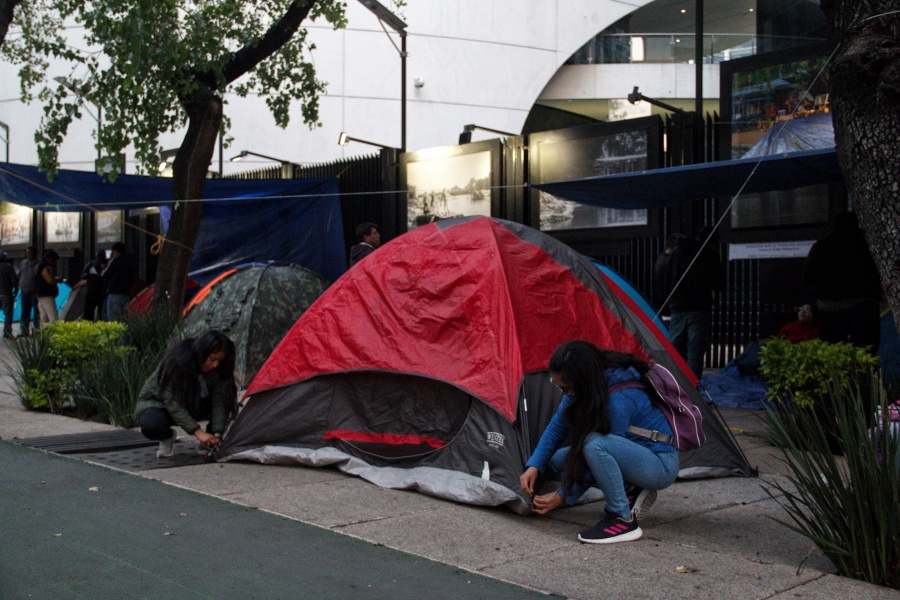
(740, 191)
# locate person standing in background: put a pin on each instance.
(368, 239)
(660, 289)
(848, 287)
(118, 277)
(92, 279)
(27, 267)
(45, 287)
(694, 274)
(9, 287)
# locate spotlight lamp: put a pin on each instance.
(344, 139)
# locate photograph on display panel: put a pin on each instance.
(15, 225)
(456, 181)
(62, 228)
(591, 151)
(772, 106)
(109, 226)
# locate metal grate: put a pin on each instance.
(100, 441)
(122, 448)
(144, 459)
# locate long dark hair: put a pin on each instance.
(181, 368)
(582, 366)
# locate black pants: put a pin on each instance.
(156, 423)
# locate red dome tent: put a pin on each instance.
(424, 366)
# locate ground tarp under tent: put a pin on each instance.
(237, 214)
(254, 305)
(425, 366)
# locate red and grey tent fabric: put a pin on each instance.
(425, 366)
(143, 301)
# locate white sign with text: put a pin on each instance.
(795, 249)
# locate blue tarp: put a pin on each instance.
(64, 291)
(659, 188)
(288, 220)
(795, 135)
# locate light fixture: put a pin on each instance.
(466, 136)
(343, 139)
(245, 153)
(166, 157)
(683, 10)
(635, 96)
(397, 24)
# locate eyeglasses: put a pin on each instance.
(566, 391)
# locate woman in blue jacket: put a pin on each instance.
(604, 422)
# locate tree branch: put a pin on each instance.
(280, 33)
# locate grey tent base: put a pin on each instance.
(441, 483)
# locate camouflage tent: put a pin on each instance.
(255, 305)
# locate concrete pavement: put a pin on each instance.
(714, 538)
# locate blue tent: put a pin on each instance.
(64, 291)
(244, 220)
(635, 295)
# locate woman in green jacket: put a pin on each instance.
(192, 383)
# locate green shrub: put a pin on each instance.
(33, 358)
(849, 507)
(74, 343)
(803, 372)
(50, 363)
(151, 333)
(110, 386)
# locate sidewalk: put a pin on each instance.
(712, 538)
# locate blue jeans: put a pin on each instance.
(29, 308)
(6, 304)
(116, 307)
(614, 460)
(691, 332)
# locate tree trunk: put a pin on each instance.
(865, 105)
(204, 109)
(7, 10)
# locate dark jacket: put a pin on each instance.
(42, 289)
(840, 267)
(152, 397)
(695, 291)
(359, 252)
(118, 277)
(9, 281)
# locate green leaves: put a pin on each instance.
(803, 372)
(849, 504)
(141, 60)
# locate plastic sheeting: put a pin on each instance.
(815, 132)
(244, 220)
(662, 188)
(64, 290)
(304, 229)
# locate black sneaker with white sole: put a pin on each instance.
(612, 529)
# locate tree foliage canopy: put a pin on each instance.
(143, 60)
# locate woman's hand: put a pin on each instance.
(528, 479)
(207, 439)
(546, 503)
